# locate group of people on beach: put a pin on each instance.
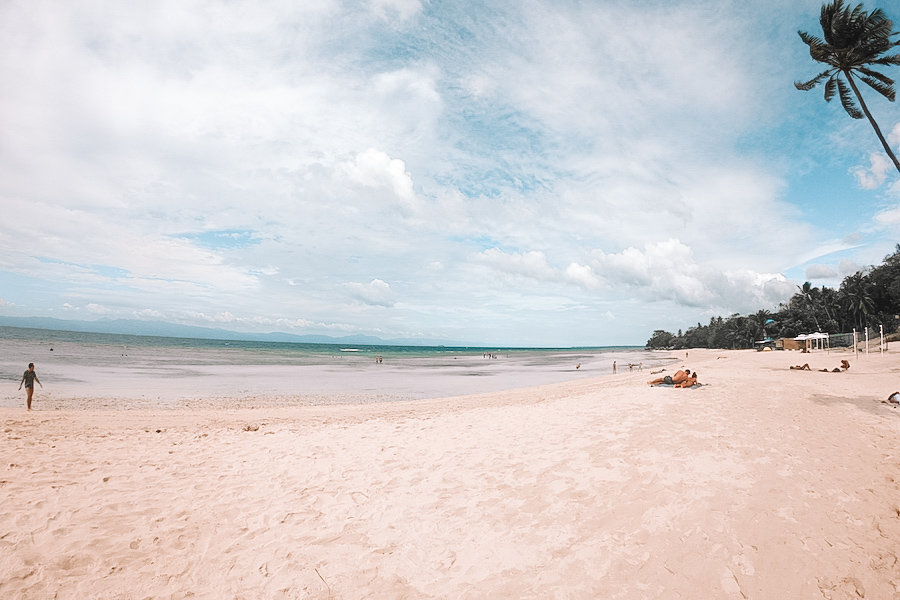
(681, 379)
(845, 364)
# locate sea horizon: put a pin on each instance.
(145, 339)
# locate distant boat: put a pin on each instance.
(349, 349)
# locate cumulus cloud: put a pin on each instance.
(376, 292)
(668, 270)
(889, 217)
(820, 272)
(847, 267)
(660, 271)
(876, 173)
(582, 275)
(375, 169)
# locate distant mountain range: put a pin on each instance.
(162, 329)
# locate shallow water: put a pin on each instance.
(122, 371)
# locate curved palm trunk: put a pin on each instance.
(865, 108)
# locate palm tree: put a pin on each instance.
(857, 293)
(854, 41)
(806, 291)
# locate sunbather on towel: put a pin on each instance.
(678, 377)
(689, 382)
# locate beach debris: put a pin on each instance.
(251, 427)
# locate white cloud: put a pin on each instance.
(96, 309)
(889, 217)
(820, 272)
(847, 267)
(876, 173)
(661, 271)
(376, 292)
(582, 275)
(669, 271)
(375, 169)
(403, 9)
(530, 264)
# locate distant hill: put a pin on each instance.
(162, 329)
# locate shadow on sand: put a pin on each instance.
(866, 403)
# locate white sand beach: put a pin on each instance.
(764, 483)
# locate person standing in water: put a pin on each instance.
(28, 378)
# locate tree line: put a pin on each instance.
(868, 298)
(853, 46)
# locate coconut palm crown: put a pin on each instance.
(854, 42)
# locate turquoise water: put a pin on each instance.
(113, 348)
(87, 370)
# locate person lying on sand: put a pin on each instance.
(893, 399)
(804, 367)
(689, 382)
(844, 366)
(678, 377)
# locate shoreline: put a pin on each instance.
(763, 483)
(189, 380)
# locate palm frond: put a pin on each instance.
(878, 25)
(847, 100)
(808, 85)
(818, 49)
(876, 75)
(830, 87)
(893, 59)
(885, 90)
(810, 40)
(827, 16)
(825, 54)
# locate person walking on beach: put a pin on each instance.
(28, 378)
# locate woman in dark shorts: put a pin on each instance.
(28, 378)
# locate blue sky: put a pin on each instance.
(512, 173)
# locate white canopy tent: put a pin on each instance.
(814, 341)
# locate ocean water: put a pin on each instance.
(75, 365)
(113, 349)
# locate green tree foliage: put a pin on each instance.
(662, 339)
(855, 43)
(868, 298)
